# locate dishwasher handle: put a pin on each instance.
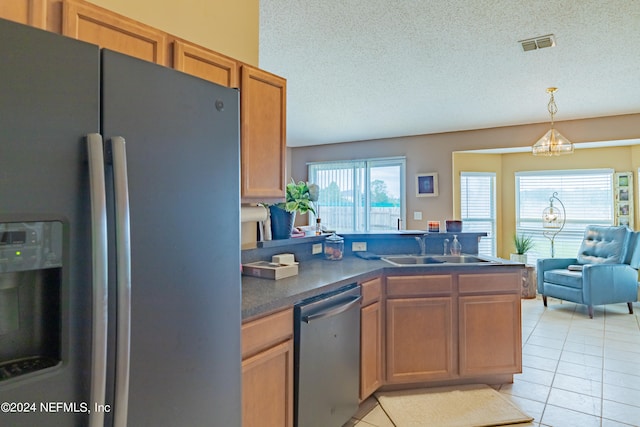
(334, 310)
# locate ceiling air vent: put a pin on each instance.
(538, 42)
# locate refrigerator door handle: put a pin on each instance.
(123, 279)
(99, 278)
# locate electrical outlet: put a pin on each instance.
(417, 216)
(316, 248)
(358, 246)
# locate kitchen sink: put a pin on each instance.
(433, 259)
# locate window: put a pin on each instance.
(360, 195)
(478, 207)
(587, 196)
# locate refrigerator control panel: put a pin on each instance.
(28, 246)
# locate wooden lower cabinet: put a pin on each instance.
(371, 338)
(429, 328)
(266, 388)
(267, 371)
(419, 339)
(455, 326)
(490, 334)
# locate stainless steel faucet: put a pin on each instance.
(423, 244)
(446, 247)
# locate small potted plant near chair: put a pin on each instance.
(523, 244)
(298, 199)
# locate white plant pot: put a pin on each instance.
(519, 258)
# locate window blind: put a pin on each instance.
(478, 207)
(587, 196)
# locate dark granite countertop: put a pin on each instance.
(316, 276)
(262, 296)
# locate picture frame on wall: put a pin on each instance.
(623, 210)
(427, 184)
(623, 194)
(623, 199)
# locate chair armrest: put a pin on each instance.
(608, 283)
(555, 263)
(545, 264)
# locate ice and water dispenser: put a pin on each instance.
(30, 299)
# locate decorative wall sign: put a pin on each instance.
(427, 184)
(623, 198)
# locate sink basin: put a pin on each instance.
(459, 259)
(411, 260)
(433, 259)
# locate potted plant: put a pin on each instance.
(523, 244)
(298, 199)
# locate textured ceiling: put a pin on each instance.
(368, 69)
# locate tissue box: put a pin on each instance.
(269, 270)
(286, 259)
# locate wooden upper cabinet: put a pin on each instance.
(204, 63)
(263, 135)
(93, 24)
(29, 12)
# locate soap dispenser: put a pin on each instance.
(456, 247)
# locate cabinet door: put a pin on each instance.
(490, 334)
(29, 12)
(84, 21)
(263, 135)
(419, 339)
(370, 349)
(267, 388)
(205, 64)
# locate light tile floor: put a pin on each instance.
(576, 371)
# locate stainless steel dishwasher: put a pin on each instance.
(327, 358)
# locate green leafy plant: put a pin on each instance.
(523, 243)
(298, 198)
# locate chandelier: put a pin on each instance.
(553, 143)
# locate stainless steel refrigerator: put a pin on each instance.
(120, 293)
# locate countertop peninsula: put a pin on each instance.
(316, 276)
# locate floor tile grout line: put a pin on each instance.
(385, 412)
(555, 372)
(604, 333)
(571, 320)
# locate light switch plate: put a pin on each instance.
(417, 216)
(316, 248)
(358, 246)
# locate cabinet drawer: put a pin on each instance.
(267, 331)
(490, 282)
(371, 291)
(398, 286)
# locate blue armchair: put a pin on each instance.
(605, 271)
